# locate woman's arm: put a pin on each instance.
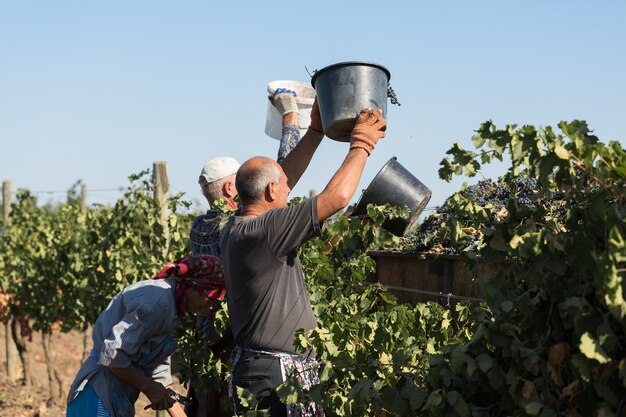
(156, 393)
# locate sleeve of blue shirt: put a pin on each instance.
(140, 325)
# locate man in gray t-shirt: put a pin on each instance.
(217, 181)
(267, 296)
(270, 301)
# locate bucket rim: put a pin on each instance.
(301, 84)
(349, 63)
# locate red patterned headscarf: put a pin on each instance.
(203, 273)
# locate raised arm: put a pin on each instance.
(337, 194)
(295, 160)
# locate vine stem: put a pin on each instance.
(582, 167)
(547, 226)
(54, 381)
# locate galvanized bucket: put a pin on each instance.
(396, 186)
(344, 89)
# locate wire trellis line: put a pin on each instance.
(436, 294)
(447, 296)
(65, 191)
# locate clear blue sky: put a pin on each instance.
(100, 90)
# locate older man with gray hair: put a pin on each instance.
(217, 179)
(217, 182)
(267, 296)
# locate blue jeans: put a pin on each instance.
(86, 404)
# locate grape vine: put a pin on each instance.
(548, 342)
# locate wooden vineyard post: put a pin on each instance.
(162, 194)
(12, 359)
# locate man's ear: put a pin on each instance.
(229, 190)
(270, 191)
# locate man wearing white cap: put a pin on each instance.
(217, 181)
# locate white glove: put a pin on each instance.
(284, 100)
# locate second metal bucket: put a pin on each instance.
(396, 186)
(344, 89)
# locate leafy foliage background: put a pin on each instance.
(549, 341)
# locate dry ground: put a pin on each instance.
(19, 401)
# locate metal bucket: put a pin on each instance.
(396, 186)
(344, 89)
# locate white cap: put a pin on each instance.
(218, 168)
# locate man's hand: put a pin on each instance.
(316, 119)
(284, 100)
(367, 130)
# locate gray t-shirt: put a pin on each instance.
(267, 297)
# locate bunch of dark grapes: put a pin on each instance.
(392, 96)
(524, 192)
